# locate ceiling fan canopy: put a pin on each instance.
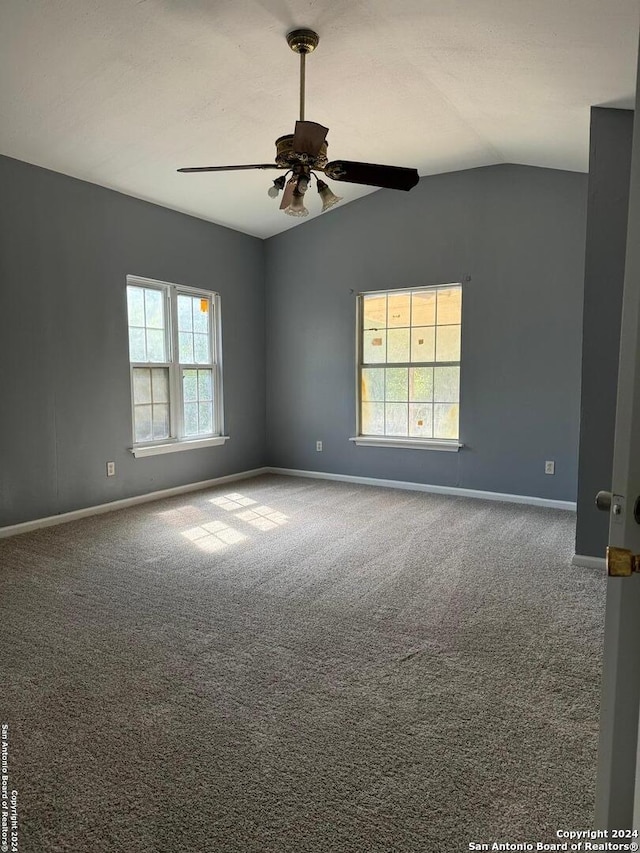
(304, 152)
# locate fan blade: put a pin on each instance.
(389, 177)
(228, 168)
(308, 138)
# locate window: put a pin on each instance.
(174, 354)
(409, 367)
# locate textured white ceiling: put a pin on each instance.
(121, 93)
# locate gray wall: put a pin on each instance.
(519, 233)
(66, 247)
(607, 209)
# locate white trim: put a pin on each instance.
(216, 355)
(176, 446)
(427, 487)
(358, 362)
(414, 443)
(410, 442)
(586, 562)
(412, 288)
(64, 517)
(171, 292)
(176, 407)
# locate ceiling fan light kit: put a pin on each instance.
(304, 152)
(328, 197)
(297, 208)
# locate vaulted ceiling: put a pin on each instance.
(121, 93)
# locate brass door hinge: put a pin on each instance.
(621, 563)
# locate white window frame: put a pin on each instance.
(406, 442)
(177, 440)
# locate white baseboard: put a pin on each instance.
(589, 562)
(64, 517)
(74, 515)
(424, 487)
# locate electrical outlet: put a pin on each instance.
(318, 446)
(549, 467)
(111, 469)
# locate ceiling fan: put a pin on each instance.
(304, 152)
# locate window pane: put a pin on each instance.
(201, 315)
(448, 343)
(374, 347)
(190, 418)
(137, 348)
(373, 418)
(146, 324)
(141, 385)
(161, 421)
(190, 385)
(399, 309)
(449, 305)
(155, 345)
(201, 349)
(446, 384)
(373, 384)
(142, 417)
(445, 420)
(135, 306)
(185, 345)
(423, 308)
(374, 312)
(184, 314)
(423, 343)
(396, 418)
(160, 384)
(396, 388)
(205, 416)
(154, 308)
(421, 420)
(398, 345)
(204, 385)
(421, 384)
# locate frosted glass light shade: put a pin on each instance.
(328, 197)
(278, 185)
(297, 208)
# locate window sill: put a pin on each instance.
(177, 446)
(411, 443)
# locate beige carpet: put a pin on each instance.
(297, 666)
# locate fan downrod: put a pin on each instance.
(303, 41)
